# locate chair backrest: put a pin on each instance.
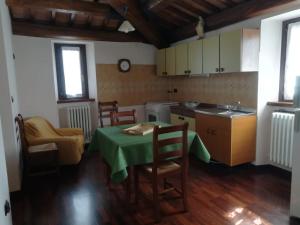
(105, 108)
(20, 131)
(179, 141)
(128, 118)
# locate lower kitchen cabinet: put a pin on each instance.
(231, 141)
(179, 119)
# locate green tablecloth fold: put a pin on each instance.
(121, 150)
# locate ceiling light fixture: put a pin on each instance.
(126, 26)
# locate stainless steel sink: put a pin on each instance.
(224, 112)
(233, 113)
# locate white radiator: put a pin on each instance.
(80, 117)
(282, 135)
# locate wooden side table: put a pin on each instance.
(42, 159)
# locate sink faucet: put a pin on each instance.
(236, 105)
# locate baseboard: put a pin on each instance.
(274, 169)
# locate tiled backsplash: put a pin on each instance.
(217, 88)
(141, 85)
(133, 88)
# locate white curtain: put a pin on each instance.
(292, 67)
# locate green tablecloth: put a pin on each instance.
(122, 150)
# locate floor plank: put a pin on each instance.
(217, 195)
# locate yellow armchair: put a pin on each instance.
(70, 141)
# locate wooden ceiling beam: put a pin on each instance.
(64, 6)
(50, 31)
(242, 11)
(136, 17)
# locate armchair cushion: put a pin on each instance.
(69, 141)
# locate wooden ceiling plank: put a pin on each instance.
(20, 13)
(242, 11)
(41, 16)
(175, 15)
(65, 6)
(49, 31)
(168, 20)
(137, 19)
(97, 22)
(163, 21)
(189, 10)
(203, 5)
(80, 20)
(158, 5)
(218, 3)
(185, 11)
(63, 19)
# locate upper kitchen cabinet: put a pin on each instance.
(195, 57)
(239, 51)
(170, 61)
(211, 51)
(229, 52)
(161, 62)
(189, 58)
(181, 53)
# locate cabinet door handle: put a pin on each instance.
(222, 70)
(180, 117)
(217, 70)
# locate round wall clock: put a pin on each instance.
(124, 65)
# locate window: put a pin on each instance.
(71, 71)
(290, 65)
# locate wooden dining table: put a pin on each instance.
(121, 150)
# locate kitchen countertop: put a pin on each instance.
(211, 109)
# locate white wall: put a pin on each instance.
(35, 77)
(137, 53)
(36, 73)
(268, 80)
(9, 108)
(268, 84)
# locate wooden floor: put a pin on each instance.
(217, 195)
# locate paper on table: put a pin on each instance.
(139, 129)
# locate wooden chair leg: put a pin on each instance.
(184, 192)
(136, 185)
(156, 200)
(165, 183)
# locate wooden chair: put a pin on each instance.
(163, 167)
(128, 118)
(105, 108)
(116, 120)
(38, 159)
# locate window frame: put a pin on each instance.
(285, 29)
(61, 88)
